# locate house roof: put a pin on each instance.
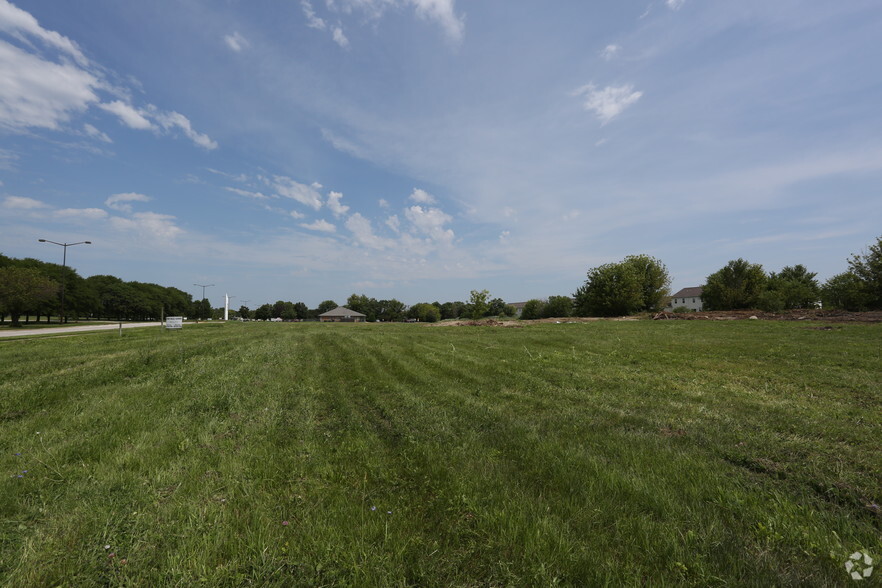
(694, 292)
(341, 311)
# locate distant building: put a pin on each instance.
(518, 306)
(688, 297)
(341, 314)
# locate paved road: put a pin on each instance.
(25, 332)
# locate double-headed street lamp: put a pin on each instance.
(203, 286)
(64, 267)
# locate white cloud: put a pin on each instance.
(95, 133)
(394, 223)
(610, 51)
(14, 20)
(236, 42)
(312, 21)
(334, 204)
(675, 4)
(297, 215)
(154, 226)
(319, 225)
(609, 102)
(364, 233)
(503, 236)
(171, 120)
(81, 213)
(431, 221)
(23, 203)
(302, 193)
(422, 197)
(39, 93)
(129, 115)
(240, 192)
(444, 13)
(383, 203)
(340, 38)
(120, 201)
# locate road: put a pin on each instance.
(25, 332)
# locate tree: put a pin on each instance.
(738, 285)
(654, 281)
(478, 304)
(533, 309)
(612, 289)
(22, 290)
(264, 312)
(424, 312)
(391, 310)
(638, 283)
(451, 310)
(302, 310)
(364, 305)
(558, 306)
(496, 307)
(244, 312)
(867, 266)
(846, 291)
(792, 287)
(325, 306)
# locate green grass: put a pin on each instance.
(619, 453)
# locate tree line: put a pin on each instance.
(32, 288)
(638, 283)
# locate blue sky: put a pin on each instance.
(418, 149)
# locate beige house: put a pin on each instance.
(688, 297)
(341, 314)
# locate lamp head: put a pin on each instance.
(87, 242)
(41, 240)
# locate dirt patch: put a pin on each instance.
(834, 316)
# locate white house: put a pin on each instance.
(688, 297)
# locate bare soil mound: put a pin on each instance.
(835, 316)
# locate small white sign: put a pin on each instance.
(174, 322)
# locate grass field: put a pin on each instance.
(619, 453)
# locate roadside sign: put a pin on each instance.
(174, 322)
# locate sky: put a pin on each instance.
(307, 150)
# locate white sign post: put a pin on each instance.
(174, 322)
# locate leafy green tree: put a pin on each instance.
(391, 310)
(496, 307)
(612, 289)
(867, 266)
(478, 304)
(326, 305)
(639, 283)
(846, 291)
(738, 285)
(533, 309)
(22, 290)
(244, 312)
(558, 306)
(424, 312)
(792, 287)
(366, 306)
(201, 310)
(654, 281)
(302, 310)
(452, 310)
(264, 312)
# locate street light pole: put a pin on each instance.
(64, 268)
(203, 286)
